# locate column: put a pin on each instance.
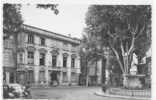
(47, 76)
(69, 68)
(78, 65)
(7, 77)
(36, 57)
(25, 56)
(36, 68)
(59, 60)
(48, 58)
(60, 77)
(36, 75)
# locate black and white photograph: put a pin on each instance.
(76, 51)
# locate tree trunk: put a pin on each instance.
(96, 76)
(107, 68)
(103, 70)
(125, 81)
(87, 72)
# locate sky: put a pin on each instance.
(70, 20)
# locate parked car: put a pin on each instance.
(15, 91)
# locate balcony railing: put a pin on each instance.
(73, 49)
(74, 69)
(54, 68)
(66, 48)
(24, 67)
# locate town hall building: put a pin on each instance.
(44, 57)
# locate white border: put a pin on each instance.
(105, 2)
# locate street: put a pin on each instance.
(69, 93)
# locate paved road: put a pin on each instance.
(69, 93)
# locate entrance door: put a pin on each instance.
(53, 77)
(11, 77)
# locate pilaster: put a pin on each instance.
(36, 75)
(69, 68)
(47, 76)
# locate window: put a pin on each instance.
(20, 57)
(64, 61)
(73, 62)
(65, 79)
(30, 76)
(8, 44)
(74, 77)
(42, 76)
(30, 57)
(42, 59)
(42, 41)
(65, 46)
(30, 39)
(73, 45)
(65, 43)
(11, 77)
(54, 60)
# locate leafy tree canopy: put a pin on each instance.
(123, 28)
(116, 23)
(12, 19)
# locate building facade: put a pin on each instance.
(44, 57)
(95, 72)
(9, 70)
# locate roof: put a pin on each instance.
(51, 34)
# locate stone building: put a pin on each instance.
(95, 72)
(9, 68)
(44, 57)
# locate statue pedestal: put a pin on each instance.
(133, 81)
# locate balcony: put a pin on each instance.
(54, 68)
(26, 45)
(65, 47)
(73, 49)
(74, 69)
(24, 67)
(32, 45)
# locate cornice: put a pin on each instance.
(50, 34)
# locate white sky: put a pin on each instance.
(70, 20)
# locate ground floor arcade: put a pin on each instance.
(47, 77)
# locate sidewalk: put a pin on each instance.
(59, 86)
(101, 93)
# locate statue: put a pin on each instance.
(133, 79)
(133, 69)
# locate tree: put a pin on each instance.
(12, 19)
(125, 29)
(89, 55)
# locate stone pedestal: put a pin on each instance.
(133, 81)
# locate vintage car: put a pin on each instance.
(15, 91)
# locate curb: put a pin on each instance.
(119, 96)
(48, 87)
